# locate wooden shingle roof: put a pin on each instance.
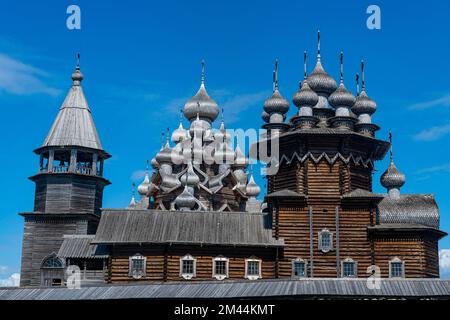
(184, 227)
(74, 125)
(79, 246)
(409, 209)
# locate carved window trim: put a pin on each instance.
(396, 261)
(220, 276)
(355, 268)
(137, 265)
(329, 246)
(188, 275)
(250, 275)
(305, 267)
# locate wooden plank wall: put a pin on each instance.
(42, 237)
(156, 261)
(324, 183)
(419, 253)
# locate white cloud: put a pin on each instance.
(174, 105)
(138, 175)
(19, 78)
(435, 169)
(234, 106)
(3, 269)
(442, 101)
(444, 261)
(12, 281)
(433, 133)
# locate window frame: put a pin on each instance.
(131, 270)
(355, 268)
(396, 260)
(320, 239)
(216, 275)
(251, 276)
(188, 276)
(305, 262)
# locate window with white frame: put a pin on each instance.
(349, 268)
(396, 268)
(187, 267)
(325, 240)
(299, 268)
(137, 266)
(220, 268)
(252, 268)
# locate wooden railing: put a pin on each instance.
(65, 169)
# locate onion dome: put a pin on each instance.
(185, 200)
(305, 96)
(164, 155)
(180, 133)
(201, 103)
(240, 176)
(252, 189)
(143, 187)
(77, 76)
(190, 178)
(154, 163)
(276, 103)
(265, 116)
(392, 178)
(363, 104)
(319, 80)
(132, 204)
(341, 97)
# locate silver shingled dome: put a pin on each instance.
(341, 97)
(392, 177)
(201, 103)
(364, 104)
(305, 96)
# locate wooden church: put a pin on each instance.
(198, 216)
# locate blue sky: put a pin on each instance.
(141, 61)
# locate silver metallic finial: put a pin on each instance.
(363, 83)
(390, 149)
(222, 116)
(357, 84)
(318, 45)
(203, 71)
(78, 60)
(304, 64)
(342, 67)
(276, 73)
(146, 166)
(273, 80)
